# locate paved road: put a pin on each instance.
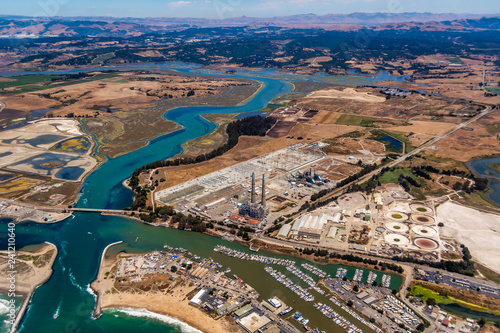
(402, 158)
(61, 209)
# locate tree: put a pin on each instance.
(355, 288)
(173, 269)
(421, 327)
(350, 303)
(431, 301)
(481, 322)
(458, 186)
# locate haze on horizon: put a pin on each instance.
(220, 9)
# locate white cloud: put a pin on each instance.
(180, 3)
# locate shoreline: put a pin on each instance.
(174, 305)
(97, 308)
(47, 269)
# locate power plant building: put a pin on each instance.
(252, 209)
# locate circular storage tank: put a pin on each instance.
(423, 230)
(417, 218)
(397, 227)
(396, 216)
(426, 243)
(421, 209)
(396, 239)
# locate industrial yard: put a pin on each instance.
(290, 176)
(387, 223)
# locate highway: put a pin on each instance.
(402, 158)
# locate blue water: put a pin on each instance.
(481, 168)
(43, 140)
(392, 142)
(81, 239)
(40, 166)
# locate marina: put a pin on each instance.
(287, 282)
(316, 271)
(358, 275)
(341, 273)
(386, 281)
(371, 278)
(301, 275)
(253, 257)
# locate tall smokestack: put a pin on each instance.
(263, 202)
(252, 200)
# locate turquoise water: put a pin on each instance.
(64, 303)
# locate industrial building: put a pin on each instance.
(310, 226)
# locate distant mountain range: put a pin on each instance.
(20, 26)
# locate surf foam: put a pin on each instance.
(143, 313)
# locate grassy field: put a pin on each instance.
(494, 90)
(353, 120)
(425, 293)
(103, 57)
(212, 140)
(32, 82)
(392, 177)
(457, 61)
(23, 80)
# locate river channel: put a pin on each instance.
(65, 303)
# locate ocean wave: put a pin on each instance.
(4, 307)
(63, 255)
(91, 291)
(143, 313)
(73, 280)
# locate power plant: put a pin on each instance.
(308, 177)
(252, 209)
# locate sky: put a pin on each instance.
(220, 9)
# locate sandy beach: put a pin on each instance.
(32, 268)
(172, 301)
(172, 304)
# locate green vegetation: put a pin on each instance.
(23, 80)
(354, 134)
(441, 298)
(495, 91)
(78, 145)
(392, 176)
(254, 126)
(455, 60)
(103, 57)
(34, 82)
(353, 120)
